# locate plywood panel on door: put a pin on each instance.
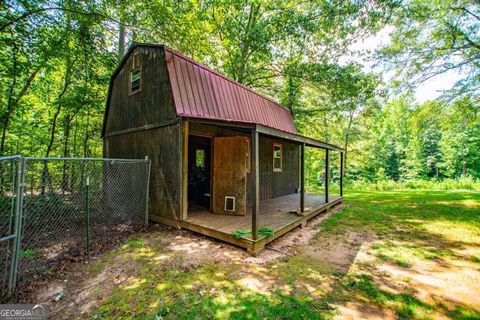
(229, 174)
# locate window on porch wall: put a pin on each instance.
(277, 157)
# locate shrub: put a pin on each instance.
(462, 183)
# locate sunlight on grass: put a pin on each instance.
(413, 229)
(454, 231)
(467, 203)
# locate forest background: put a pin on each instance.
(57, 57)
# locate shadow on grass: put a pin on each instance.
(175, 289)
(418, 224)
(428, 219)
(440, 227)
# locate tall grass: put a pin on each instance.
(463, 183)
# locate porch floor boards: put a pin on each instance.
(273, 214)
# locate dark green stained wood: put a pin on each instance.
(341, 173)
(153, 104)
(302, 177)
(254, 176)
(327, 176)
(276, 184)
(146, 124)
(161, 145)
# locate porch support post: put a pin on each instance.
(341, 174)
(184, 170)
(302, 177)
(255, 185)
(326, 175)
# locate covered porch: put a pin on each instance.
(280, 215)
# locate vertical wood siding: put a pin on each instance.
(152, 105)
(276, 184)
(272, 184)
(161, 145)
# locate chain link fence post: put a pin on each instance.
(10, 176)
(87, 213)
(17, 247)
(147, 197)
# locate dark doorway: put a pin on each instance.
(199, 171)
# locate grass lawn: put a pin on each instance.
(385, 255)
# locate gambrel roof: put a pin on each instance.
(200, 92)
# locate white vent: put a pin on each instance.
(229, 203)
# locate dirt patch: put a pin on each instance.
(450, 283)
(81, 293)
(291, 242)
(437, 287)
(340, 252)
(355, 310)
(32, 282)
(78, 292)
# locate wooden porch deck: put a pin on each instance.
(273, 214)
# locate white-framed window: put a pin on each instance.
(135, 80)
(277, 157)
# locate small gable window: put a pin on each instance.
(136, 75)
(277, 157)
(136, 80)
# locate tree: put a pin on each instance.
(434, 37)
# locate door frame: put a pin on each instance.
(210, 182)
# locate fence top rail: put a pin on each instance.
(89, 159)
(10, 157)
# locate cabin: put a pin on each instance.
(226, 161)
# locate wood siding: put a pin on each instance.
(162, 146)
(277, 184)
(272, 184)
(146, 124)
(153, 104)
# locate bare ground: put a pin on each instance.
(436, 281)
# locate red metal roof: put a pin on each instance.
(200, 92)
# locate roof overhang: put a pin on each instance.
(293, 137)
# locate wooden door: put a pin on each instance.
(229, 175)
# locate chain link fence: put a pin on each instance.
(68, 208)
(9, 169)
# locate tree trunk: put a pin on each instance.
(14, 101)
(7, 115)
(65, 178)
(121, 32)
(85, 143)
(347, 136)
(67, 81)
